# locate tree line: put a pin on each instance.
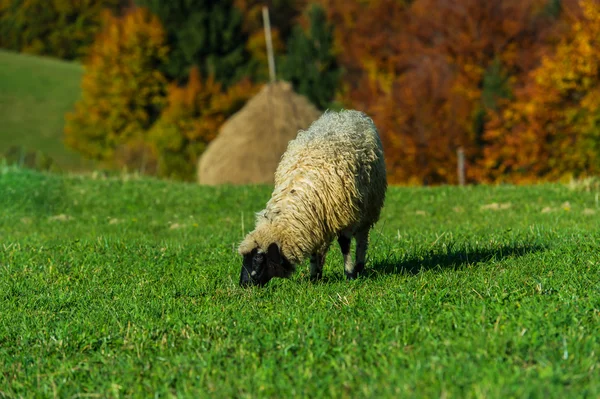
(514, 83)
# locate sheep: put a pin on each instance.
(330, 183)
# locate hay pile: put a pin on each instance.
(250, 144)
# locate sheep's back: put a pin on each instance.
(334, 171)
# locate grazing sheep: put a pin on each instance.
(330, 183)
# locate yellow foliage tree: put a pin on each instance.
(192, 118)
(552, 130)
(123, 91)
(60, 28)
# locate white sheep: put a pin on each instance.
(330, 182)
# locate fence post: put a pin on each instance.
(460, 168)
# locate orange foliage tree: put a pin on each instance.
(449, 49)
(422, 68)
(123, 91)
(192, 118)
(552, 129)
(365, 32)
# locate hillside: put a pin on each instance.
(115, 287)
(35, 94)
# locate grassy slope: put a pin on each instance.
(35, 94)
(133, 290)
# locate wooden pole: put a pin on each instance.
(267, 25)
(460, 153)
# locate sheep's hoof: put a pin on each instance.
(358, 268)
(316, 277)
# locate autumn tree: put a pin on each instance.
(123, 91)
(63, 29)
(192, 118)
(552, 129)
(364, 33)
(429, 71)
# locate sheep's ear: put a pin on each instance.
(273, 254)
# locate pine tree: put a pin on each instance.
(204, 33)
(310, 63)
(282, 14)
(495, 87)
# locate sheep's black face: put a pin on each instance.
(254, 269)
(259, 268)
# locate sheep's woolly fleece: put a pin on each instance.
(331, 178)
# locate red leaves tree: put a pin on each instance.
(420, 69)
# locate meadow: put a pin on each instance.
(128, 287)
(35, 94)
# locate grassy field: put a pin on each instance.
(127, 287)
(35, 94)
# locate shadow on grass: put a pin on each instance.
(451, 258)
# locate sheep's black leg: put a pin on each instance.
(316, 265)
(362, 242)
(344, 239)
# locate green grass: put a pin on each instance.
(35, 94)
(128, 288)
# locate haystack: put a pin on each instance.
(249, 145)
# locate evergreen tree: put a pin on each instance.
(310, 63)
(495, 86)
(283, 15)
(204, 33)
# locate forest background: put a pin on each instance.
(513, 84)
